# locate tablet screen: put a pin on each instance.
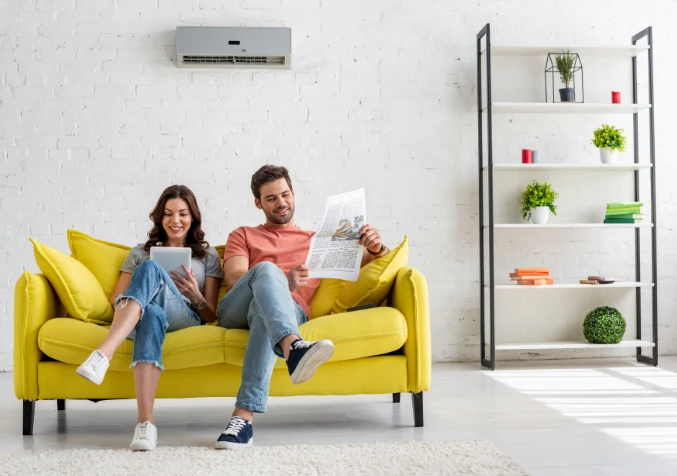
(171, 259)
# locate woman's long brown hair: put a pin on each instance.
(195, 237)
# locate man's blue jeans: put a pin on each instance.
(261, 302)
(163, 309)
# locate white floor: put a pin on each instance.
(601, 417)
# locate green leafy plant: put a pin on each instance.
(604, 325)
(609, 137)
(538, 195)
(565, 67)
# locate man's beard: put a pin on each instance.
(278, 220)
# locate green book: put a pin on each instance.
(624, 205)
(633, 216)
(622, 220)
(623, 211)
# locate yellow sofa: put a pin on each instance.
(382, 350)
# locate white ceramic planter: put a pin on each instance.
(540, 215)
(608, 156)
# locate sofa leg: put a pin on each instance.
(29, 416)
(396, 398)
(417, 401)
(60, 404)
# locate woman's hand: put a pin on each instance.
(188, 285)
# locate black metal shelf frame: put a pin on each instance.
(490, 360)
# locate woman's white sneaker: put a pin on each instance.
(94, 368)
(145, 437)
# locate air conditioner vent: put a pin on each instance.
(277, 60)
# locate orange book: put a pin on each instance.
(527, 273)
(543, 276)
(535, 282)
(532, 270)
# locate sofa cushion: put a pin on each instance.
(325, 296)
(71, 341)
(354, 334)
(102, 258)
(374, 281)
(220, 249)
(76, 286)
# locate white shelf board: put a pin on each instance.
(571, 225)
(624, 51)
(600, 166)
(566, 108)
(514, 287)
(572, 345)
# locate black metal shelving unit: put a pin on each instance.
(485, 107)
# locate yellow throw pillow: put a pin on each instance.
(325, 296)
(76, 286)
(102, 258)
(220, 250)
(375, 280)
(222, 287)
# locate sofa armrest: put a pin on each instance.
(409, 295)
(35, 302)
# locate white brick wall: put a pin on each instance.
(95, 120)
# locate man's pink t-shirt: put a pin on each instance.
(284, 246)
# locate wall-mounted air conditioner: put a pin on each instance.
(233, 47)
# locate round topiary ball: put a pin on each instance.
(604, 325)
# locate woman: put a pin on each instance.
(148, 302)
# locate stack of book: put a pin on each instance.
(531, 276)
(629, 212)
(599, 280)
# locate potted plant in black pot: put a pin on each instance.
(565, 66)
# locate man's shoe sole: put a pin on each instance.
(227, 445)
(316, 356)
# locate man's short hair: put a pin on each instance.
(266, 174)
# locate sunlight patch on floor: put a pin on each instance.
(621, 402)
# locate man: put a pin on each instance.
(269, 293)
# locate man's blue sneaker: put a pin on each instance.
(237, 436)
(305, 357)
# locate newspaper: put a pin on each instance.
(335, 250)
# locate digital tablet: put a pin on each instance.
(171, 258)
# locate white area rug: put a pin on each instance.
(390, 458)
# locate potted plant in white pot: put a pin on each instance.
(538, 200)
(565, 66)
(609, 140)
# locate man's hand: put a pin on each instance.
(371, 238)
(298, 276)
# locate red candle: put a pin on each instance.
(616, 97)
(526, 156)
